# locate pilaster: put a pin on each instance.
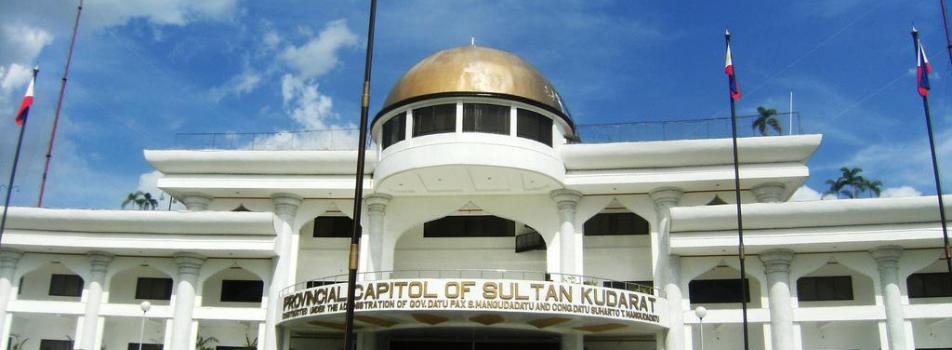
(887, 262)
(189, 266)
(777, 266)
(570, 258)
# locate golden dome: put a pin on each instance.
(476, 71)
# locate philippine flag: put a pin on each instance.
(923, 68)
(25, 105)
(729, 69)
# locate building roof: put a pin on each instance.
(476, 71)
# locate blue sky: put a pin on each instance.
(144, 71)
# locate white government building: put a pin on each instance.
(486, 225)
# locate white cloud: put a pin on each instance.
(902, 191)
(108, 13)
(319, 55)
(304, 103)
(805, 193)
(19, 47)
(238, 85)
(148, 183)
(271, 39)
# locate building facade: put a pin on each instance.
(487, 224)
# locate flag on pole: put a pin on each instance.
(923, 68)
(729, 69)
(25, 105)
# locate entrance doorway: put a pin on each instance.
(473, 339)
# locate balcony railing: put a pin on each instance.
(476, 274)
(346, 139)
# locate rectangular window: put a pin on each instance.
(394, 130)
(333, 227)
(929, 285)
(605, 224)
(312, 284)
(434, 119)
(145, 346)
(533, 126)
(529, 241)
(825, 288)
(241, 291)
(646, 287)
(66, 285)
(49, 344)
(717, 291)
(488, 118)
(470, 226)
(154, 288)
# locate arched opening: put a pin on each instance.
(52, 281)
(720, 288)
(617, 245)
(930, 284)
(233, 287)
(228, 334)
(42, 331)
(323, 245)
(469, 239)
(834, 284)
(139, 284)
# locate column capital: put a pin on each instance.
(9, 258)
(189, 263)
(776, 260)
(377, 202)
(196, 201)
(666, 197)
(566, 198)
(286, 203)
(887, 256)
(770, 192)
(99, 261)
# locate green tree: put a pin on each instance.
(851, 184)
(203, 343)
(766, 117)
(142, 200)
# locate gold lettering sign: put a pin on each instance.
(476, 295)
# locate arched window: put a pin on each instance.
(606, 224)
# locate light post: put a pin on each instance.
(145, 306)
(700, 312)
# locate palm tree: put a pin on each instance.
(767, 117)
(851, 184)
(142, 200)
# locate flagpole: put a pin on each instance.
(59, 105)
(349, 342)
(935, 163)
(740, 220)
(13, 168)
(945, 22)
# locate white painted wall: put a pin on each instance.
(38, 326)
(122, 287)
(840, 335)
(229, 333)
(620, 258)
(120, 331)
(415, 252)
(211, 290)
(36, 284)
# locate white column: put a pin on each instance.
(8, 268)
(566, 201)
(285, 210)
(196, 201)
(777, 265)
(573, 342)
(99, 262)
(771, 192)
(188, 268)
(887, 260)
(371, 243)
(666, 270)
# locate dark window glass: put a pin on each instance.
(241, 291)
(145, 346)
(49, 344)
(66, 285)
(616, 224)
(825, 288)
(434, 120)
(929, 285)
(154, 288)
(481, 117)
(534, 126)
(717, 291)
(634, 286)
(235, 347)
(333, 226)
(312, 284)
(470, 226)
(529, 241)
(394, 130)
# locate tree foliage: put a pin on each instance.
(141, 200)
(767, 117)
(851, 184)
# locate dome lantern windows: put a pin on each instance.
(394, 130)
(436, 119)
(487, 118)
(534, 126)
